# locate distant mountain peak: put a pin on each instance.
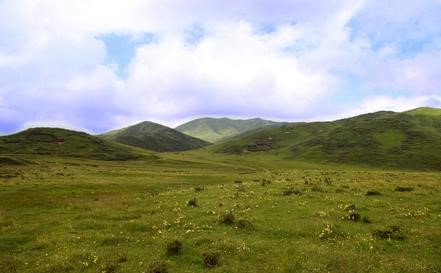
(215, 129)
(156, 137)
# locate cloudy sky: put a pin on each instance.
(95, 65)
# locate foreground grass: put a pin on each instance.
(65, 215)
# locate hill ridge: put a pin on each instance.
(215, 129)
(63, 142)
(153, 136)
(384, 138)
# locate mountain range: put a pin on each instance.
(215, 129)
(408, 140)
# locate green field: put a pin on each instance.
(250, 213)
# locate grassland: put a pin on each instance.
(255, 213)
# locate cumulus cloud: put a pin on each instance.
(284, 59)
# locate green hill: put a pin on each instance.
(401, 140)
(155, 137)
(214, 129)
(425, 111)
(62, 142)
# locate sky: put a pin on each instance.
(96, 65)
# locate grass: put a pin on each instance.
(82, 215)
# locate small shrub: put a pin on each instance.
(109, 268)
(265, 182)
(330, 232)
(291, 191)
(372, 193)
(403, 189)
(366, 220)
(350, 207)
(192, 202)
(174, 248)
(240, 187)
(210, 259)
(227, 218)
(199, 188)
(121, 259)
(389, 233)
(158, 267)
(244, 225)
(352, 215)
(238, 181)
(317, 188)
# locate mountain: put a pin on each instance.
(214, 129)
(425, 111)
(410, 140)
(155, 137)
(62, 142)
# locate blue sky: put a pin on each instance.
(95, 66)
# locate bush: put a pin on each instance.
(244, 225)
(210, 259)
(352, 215)
(158, 267)
(121, 259)
(372, 193)
(174, 247)
(192, 202)
(403, 189)
(366, 220)
(291, 191)
(265, 182)
(350, 207)
(109, 268)
(198, 188)
(317, 188)
(240, 187)
(389, 233)
(227, 218)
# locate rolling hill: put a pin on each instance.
(214, 129)
(410, 140)
(155, 137)
(62, 142)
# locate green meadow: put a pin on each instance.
(200, 211)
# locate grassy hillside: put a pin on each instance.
(425, 111)
(214, 129)
(62, 142)
(155, 137)
(400, 140)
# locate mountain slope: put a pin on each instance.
(62, 142)
(425, 111)
(214, 129)
(402, 140)
(155, 137)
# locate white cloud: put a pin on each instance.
(52, 65)
(397, 104)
